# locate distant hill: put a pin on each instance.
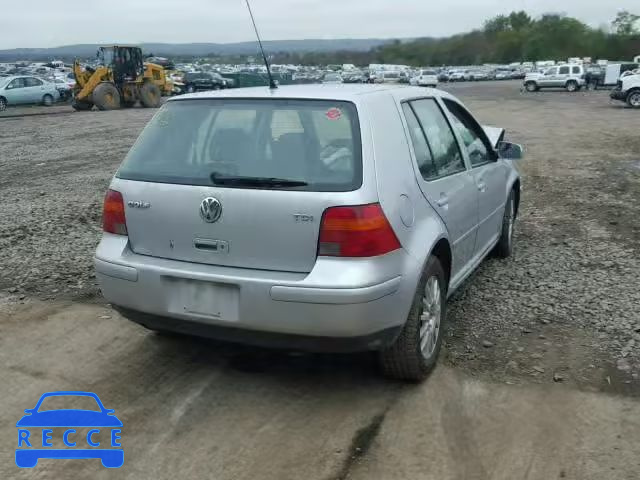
(198, 49)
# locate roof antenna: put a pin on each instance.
(272, 83)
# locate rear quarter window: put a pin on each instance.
(317, 142)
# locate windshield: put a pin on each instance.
(315, 142)
(106, 56)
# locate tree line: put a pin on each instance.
(503, 39)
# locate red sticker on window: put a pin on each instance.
(333, 114)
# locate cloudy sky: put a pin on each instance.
(48, 23)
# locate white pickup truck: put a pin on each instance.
(628, 89)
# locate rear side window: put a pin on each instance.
(576, 70)
(420, 146)
(32, 82)
(564, 70)
(317, 142)
(446, 154)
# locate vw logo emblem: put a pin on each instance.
(211, 210)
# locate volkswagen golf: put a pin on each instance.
(317, 217)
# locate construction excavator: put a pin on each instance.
(121, 79)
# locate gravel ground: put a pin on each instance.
(564, 308)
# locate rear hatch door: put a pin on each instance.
(240, 183)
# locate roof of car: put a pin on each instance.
(346, 92)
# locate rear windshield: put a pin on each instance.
(316, 142)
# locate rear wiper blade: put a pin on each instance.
(238, 180)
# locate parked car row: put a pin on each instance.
(471, 75)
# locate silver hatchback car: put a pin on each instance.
(319, 217)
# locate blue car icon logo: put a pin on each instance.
(33, 446)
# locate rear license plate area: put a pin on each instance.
(207, 300)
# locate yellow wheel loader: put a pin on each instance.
(121, 79)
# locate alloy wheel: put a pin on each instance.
(430, 318)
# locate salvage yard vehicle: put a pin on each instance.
(457, 75)
(426, 78)
(121, 80)
(308, 217)
(569, 77)
(628, 90)
(332, 78)
(615, 70)
(202, 81)
(478, 75)
(503, 74)
(20, 90)
(63, 88)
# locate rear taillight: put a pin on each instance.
(356, 231)
(113, 219)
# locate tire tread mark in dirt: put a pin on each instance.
(361, 443)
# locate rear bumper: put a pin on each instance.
(373, 341)
(342, 305)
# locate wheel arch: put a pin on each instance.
(443, 252)
(516, 190)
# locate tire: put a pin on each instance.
(572, 86)
(81, 106)
(3, 104)
(106, 97)
(217, 87)
(405, 359)
(191, 89)
(504, 247)
(531, 87)
(633, 99)
(47, 100)
(150, 95)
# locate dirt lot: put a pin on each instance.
(539, 377)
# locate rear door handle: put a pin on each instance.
(482, 186)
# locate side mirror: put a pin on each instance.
(28, 410)
(510, 151)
